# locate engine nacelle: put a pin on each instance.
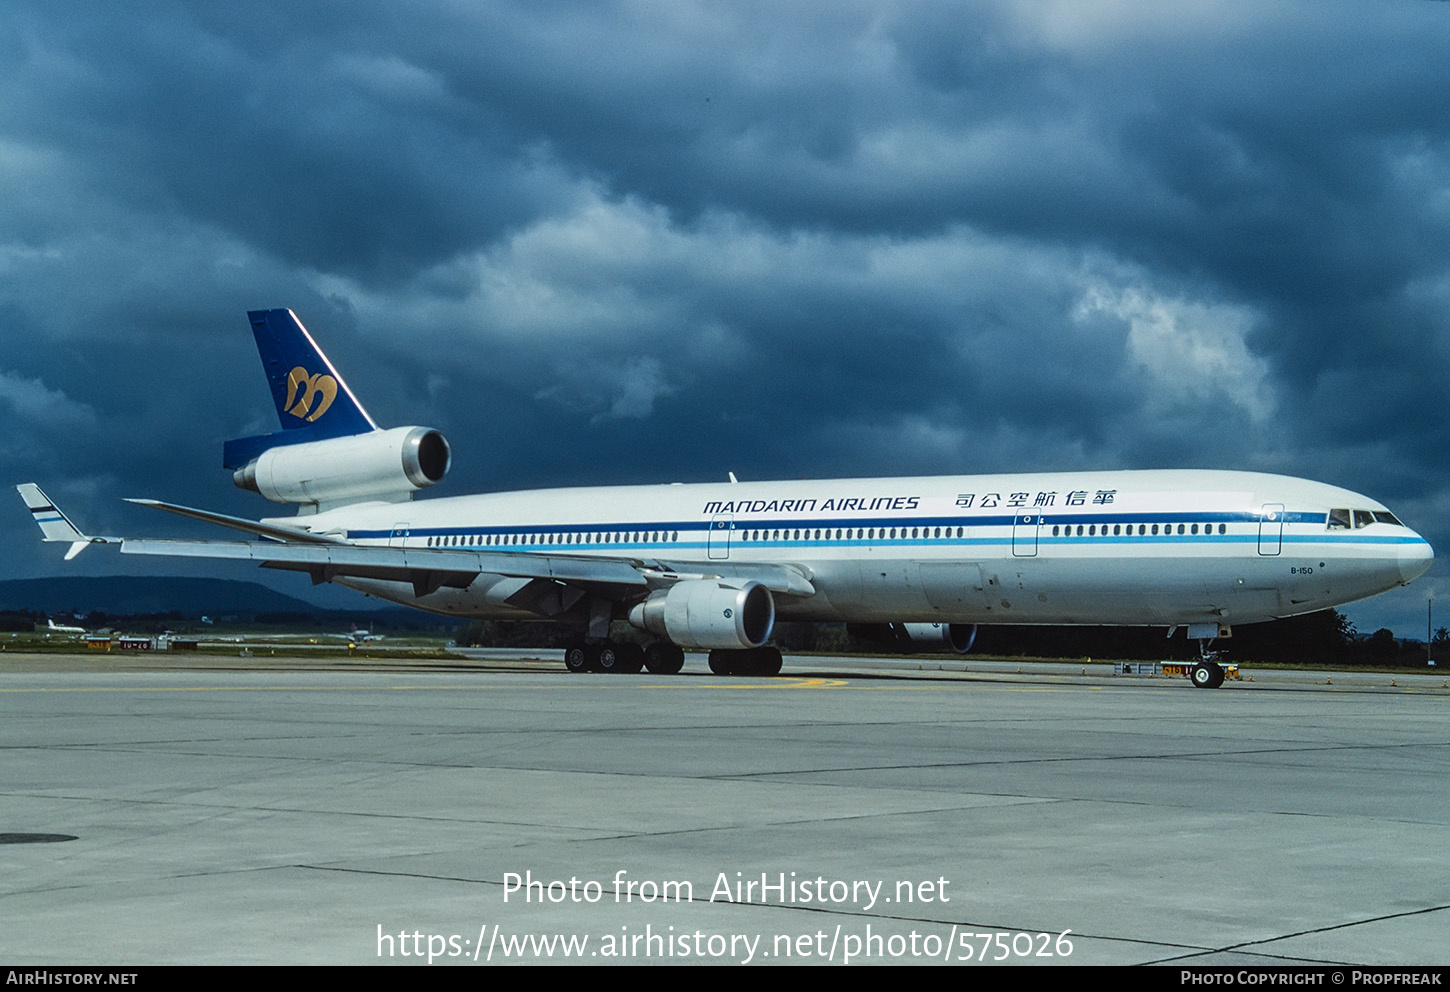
(709, 613)
(958, 637)
(377, 465)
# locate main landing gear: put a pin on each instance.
(629, 659)
(664, 658)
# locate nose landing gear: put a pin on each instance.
(1207, 673)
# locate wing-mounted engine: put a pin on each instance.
(379, 465)
(957, 637)
(709, 613)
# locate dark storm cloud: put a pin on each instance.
(630, 242)
(322, 148)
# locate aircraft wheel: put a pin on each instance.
(631, 659)
(607, 658)
(663, 658)
(722, 662)
(767, 661)
(577, 658)
(1206, 675)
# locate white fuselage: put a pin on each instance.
(1145, 547)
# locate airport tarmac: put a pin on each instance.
(277, 813)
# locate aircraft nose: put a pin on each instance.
(1415, 560)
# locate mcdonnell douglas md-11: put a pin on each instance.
(712, 566)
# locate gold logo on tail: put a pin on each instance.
(311, 388)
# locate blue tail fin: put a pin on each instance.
(313, 401)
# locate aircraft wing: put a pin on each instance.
(327, 556)
(427, 569)
(430, 569)
(240, 523)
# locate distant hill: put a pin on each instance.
(192, 597)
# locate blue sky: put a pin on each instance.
(632, 242)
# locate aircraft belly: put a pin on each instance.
(1028, 590)
(1145, 591)
(1320, 581)
(837, 598)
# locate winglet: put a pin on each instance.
(55, 525)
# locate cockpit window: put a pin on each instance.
(1345, 519)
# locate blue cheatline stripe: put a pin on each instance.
(1048, 519)
(49, 520)
(473, 538)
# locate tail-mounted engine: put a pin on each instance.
(709, 613)
(384, 465)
